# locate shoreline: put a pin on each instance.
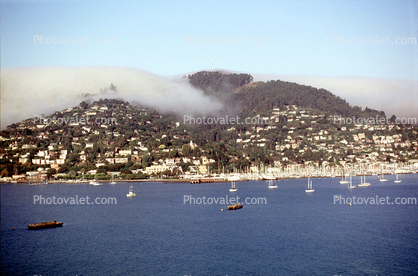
(178, 180)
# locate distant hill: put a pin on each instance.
(239, 92)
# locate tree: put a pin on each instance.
(146, 160)
(84, 105)
(4, 173)
(51, 172)
(393, 119)
(173, 154)
(186, 150)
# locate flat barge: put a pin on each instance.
(43, 225)
(235, 206)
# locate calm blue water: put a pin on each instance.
(295, 233)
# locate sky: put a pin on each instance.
(309, 42)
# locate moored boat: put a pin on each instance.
(310, 189)
(112, 181)
(343, 181)
(383, 179)
(131, 192)
(94, 182)
(397, 179)
(350, 185)
(233, 189)
(363, 182)
(271, 184)
(235, 206)
(43, 225)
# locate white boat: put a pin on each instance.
(397, 179)
(112, 181)
(268, 177)
(350, 185)
(131, 192)
(383, 179)
(94, 182)
(343, 181)
(271, 184)
(233, 189)
(363, 184)
(310, 189)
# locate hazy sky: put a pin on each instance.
(310, 38)
(363, 51)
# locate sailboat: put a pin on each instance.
(363, 184)
(397, 179)
(350, 186)
(310, 189)
(342, 181)
(131, 192)
(94, 182)
(233, 189)
(383, 179)
(112, 181)
(271, 184)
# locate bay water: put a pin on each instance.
(186, 229)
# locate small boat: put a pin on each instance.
(235, 206)
(383, 179)
(43, 225)
(397, 179)
(350, 185)
(271, 184)
(343, 181)
(268, 177)
(233, 189)
(363, 184)
(310, 189)
(131, 192)
(94, 182)
(112, 181)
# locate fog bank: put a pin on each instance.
(393, 96)
(31, 91)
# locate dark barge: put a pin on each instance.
(43, 225)
(235, 206)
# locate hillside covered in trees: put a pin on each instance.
(238, 92)
(111, 135)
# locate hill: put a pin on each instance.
(237, 90)
(291, 125)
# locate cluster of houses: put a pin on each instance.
(301, 131)
(302, 126)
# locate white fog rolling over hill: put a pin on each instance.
(393, 96)
(30, 91)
